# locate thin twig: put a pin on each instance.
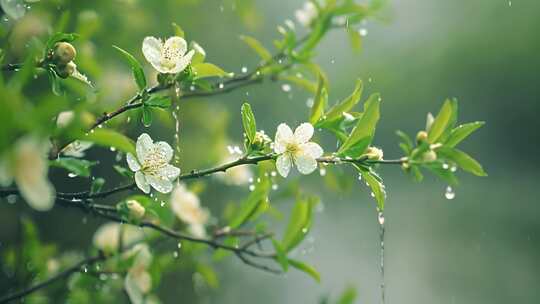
(64, 274)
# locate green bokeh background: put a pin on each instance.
(481, 247)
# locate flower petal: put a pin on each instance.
(133, 164)
(144, 146)
(283, 164)
(169, 171)
(284, 135)
(151, 49)
(165, 150)
(175, 46)
(136, 285)
(312, 149)
(141, 182)
(305, 163)
(197, 230)
(161, 184)
(182, 62)
(303, 133)
(39, 194)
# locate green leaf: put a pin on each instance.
(299, 223)
(79, 167)
(136, 68)
(461, 132)
(178, 31)
(443, 120)
(209, 275)
(146, 116)
(281, 255)
(111, 138)
(375, 183)
(97, 185)
(248, 120)
(319, 102)
(348, 296)
(445, 174)
(406, 142)
(308, 269)
(205, 69)
(347, 104)
(355, 38)
(462, 159)
(255, 45)
(250, 206)
(59, 37)
(163, 102)
(363, 133)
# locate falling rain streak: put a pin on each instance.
(381, 239)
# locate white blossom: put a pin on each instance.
(28, 167)
(107, 236)
(187, 207)
(151, 166)
(296, 148)
(169, 56)
(136, 210)
(306, 14)
(138, 281)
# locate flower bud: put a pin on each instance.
(422, 136)
(64, 52)
(429, 156)
(64, 71)
(260, 140)
(374, 153)
(136, 210)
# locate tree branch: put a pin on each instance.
(62, 275)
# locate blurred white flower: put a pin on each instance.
(306, 14)
(77, 148)
(136, 210)
(107, 236)
(296, 148)
(151, 166)
(64, 118)
(169, 56)
(187, 207)
(29, 168)
(138, 281)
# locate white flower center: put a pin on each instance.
(153, 162)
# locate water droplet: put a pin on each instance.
(309, 102)
(221, 85)
(359, 176)
(449, 193)
(372, 194)
(286, 87)
(179, 245)
(275, 187)
(445, 166)
(363, 32)
(304, 230)
(381, 218)
(72, 175)
(251, 187)
(175, 254)
(244, 69)
(273, 173)
(510, 3)
(453, 169)
(322, 171)
(12, 199)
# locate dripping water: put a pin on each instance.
(175, 115)
(381, 239)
